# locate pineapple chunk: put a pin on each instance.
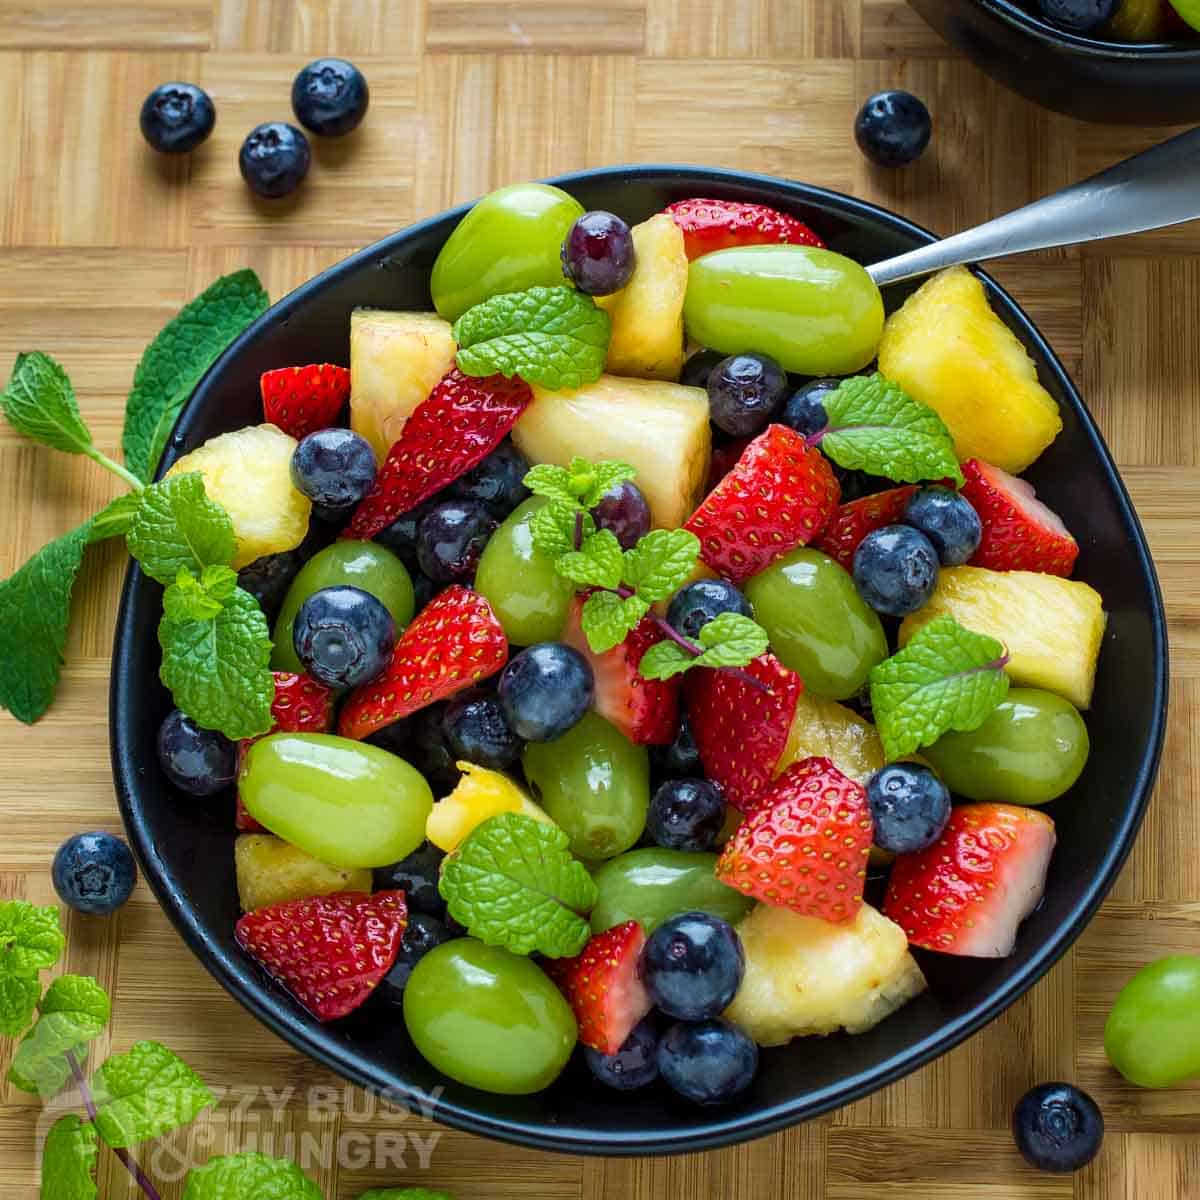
(647, 314)
(272, 871)
(481, 793)
(948, 349)
(1051, 627)
(249, 473)
(395, 360)
(827, 729)
(807, 976)
(660, 429)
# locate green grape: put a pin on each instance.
(488, 1018)
(511, 240)
(1189, 10)
(815, 312)
(365, 565)
(652, 885)
(594, 783)
(1029, 750)
(529, 597)
(1153, 1032)
(345, 802)
(818, 623)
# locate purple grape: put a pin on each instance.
(623, 510)
(744, 391)
(597, 253)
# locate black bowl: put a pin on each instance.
(187, 853)
(1118, 83)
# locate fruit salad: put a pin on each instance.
(1122, 20)
(668, 656)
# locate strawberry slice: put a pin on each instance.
(646, 711)
(1019, 532)
(852, 522)
(457, 426)
(806, 848)
(710, 225)
(967, 893)
(453, 642)
(330, 952)
(603, 988)
(779, 495)
(301, 400)
(740, 720)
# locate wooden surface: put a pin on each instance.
(100, 242)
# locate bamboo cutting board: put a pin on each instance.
(100, 242)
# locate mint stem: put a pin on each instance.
(579, 529)
(115, 467)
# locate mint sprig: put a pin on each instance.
(580, 482)
(250, 1176)
(597, 563)
(178, 528)
(69, 1160)
(660, 563)
(31, 937)
(75, 1011)
(728, 640)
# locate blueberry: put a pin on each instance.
(805, 408)
(177, 117)
(634, 1065)
(624, 512)
(895, 569)
(400, 537)
(417, 877)
(686, 814)
(274, 159)
(94, 873)
(692, 965)
(198, 761)
(478, 731)
(694, 605)
(451, 538)
(744, 391)
(429, 752)
(857, 484)
(343, 636)
(268, 578)
(545, 691)
(910, 806)
(597, 253)
(948, 520)
(698, 368)
(335, 469)
(498, 482)
(1079, 16)
(893, 128)
(1057, 1127)
(421, 934)
(711, 1062)
(680, 759)
(330, 97)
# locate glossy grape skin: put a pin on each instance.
(345, 802)
(815, 312)
(365, 565)
(1029, 750)
(488, 1018)
(1152, 1035)
(594, 783)
(597, 254)
(529, 597)
(624, 512)
(818, 624)
(511, 240)
(451, 538)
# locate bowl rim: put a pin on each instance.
(1017, 18)
(711, 1129)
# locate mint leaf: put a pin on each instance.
(875, 426)
(218, 670)
(731, 640)
(664, 659)
(606, 619)
(552, 482)
(18, 999)
(553, 336)
(404, 1194)
(660, 562)
(115, 519)
(249, 1176)
(79, 996)
(946, 678)
(598, 564)
(31, 937)
(588, 481)
(553, 527)
(186, 600)
(219, 581)
(513, 883)
(75, 1011)
(39, 403)
(69, 1161)
(178, 528)
(176, 360)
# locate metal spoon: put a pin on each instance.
(1151, 190)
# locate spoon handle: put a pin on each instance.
(1152, 190)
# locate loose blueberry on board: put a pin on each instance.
(274, 159)
(624, 512)
(335, 469)
(693, 606)
(744, 391)
(198, 761)
(1079, 16)
(895, 569)
(692, 966)
(417, 877)
(330, 97)
(893, 128)
(177, 117)
(1057, 1127)
(711, 1062)
(422, 933)
(686, 814)
(546, 690)
(634, 1065)
(343, 636)
(804, 410)
(478, 731)
(268, 578)
(948, 520)
(498, 482)
(597, 254)
(451, 538)
(680, 759)
(94, 873)
(910, 806)
(698, 368)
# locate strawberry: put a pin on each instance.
(1019, 532)
(301, 400)
(454, 642)
(852, 522)
(740, 720)
(330, 952)
(779, 495)
(806, 848)
(710, 225)
(967, 893)
(457, 426)
(602, 986)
